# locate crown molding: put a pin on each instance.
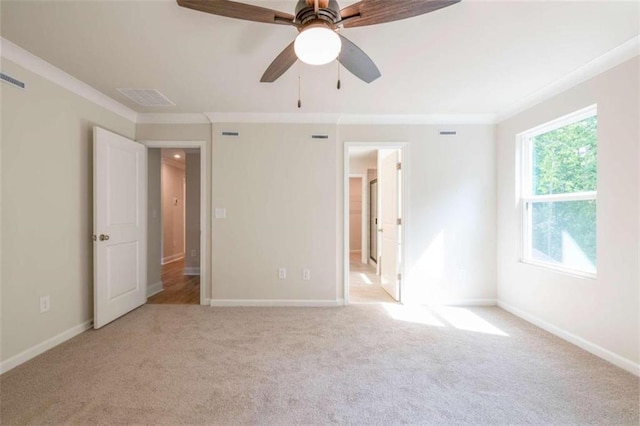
(29, 61)
(612, 58)
(409, 119)
(216, 117)
(253, 117)
(172, 118)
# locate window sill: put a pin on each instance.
(560, 269)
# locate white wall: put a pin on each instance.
(173, 212)
(451, 217)
(47, 213)
(359, 164)
(278, 187)
(602, 311)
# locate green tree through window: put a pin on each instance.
(561, 205)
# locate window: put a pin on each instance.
(559, 193)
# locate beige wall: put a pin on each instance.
(192, 237)
(185, 132)
(355, 214)
(602, 311)
(360, 165)
(47, 216)
(451, 215)
(283, 196)
(278, 187)
(173, 209)
(154, 215)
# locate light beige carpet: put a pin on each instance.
(282, 366)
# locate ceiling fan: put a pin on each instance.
(318, 21)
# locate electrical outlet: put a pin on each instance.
(45, 304)
(282, 273)
(306, 274)
(193, 253)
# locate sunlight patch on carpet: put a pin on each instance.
(442, 316)
(415, 314)
(464, 319)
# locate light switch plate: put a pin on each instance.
(220, 213)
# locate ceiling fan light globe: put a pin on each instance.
(317, 45)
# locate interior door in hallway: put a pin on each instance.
(119, 225)
(389, 217)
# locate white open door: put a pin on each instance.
(119, 226)
(389, 215)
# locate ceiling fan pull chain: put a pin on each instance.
(338, 61)
(299, 78)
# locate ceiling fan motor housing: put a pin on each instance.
(305, 13)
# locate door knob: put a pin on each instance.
(104, 237)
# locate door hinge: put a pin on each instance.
(94, 238)
(399, 221)
(399, 277)
(399, 166)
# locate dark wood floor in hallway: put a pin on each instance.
(178, 288)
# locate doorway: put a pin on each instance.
(176, 237)
(374, 223)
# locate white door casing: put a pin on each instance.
(403, 149)
(119, 223)
(389, 215)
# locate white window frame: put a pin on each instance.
(527, 198)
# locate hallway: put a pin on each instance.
(178, 288)
(364, 284)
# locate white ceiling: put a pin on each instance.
(168, 154)
(476, 57)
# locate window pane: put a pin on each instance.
(564, 233)
(564, 159)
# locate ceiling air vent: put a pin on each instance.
(230, 133)
(319, 136)
(448, 132)
(12, 81)
(147, 97)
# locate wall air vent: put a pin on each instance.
(319, 136)
(448, 132)
(12, 81)
(230, 133)
(147, 97)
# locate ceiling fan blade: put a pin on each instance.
(357, 62)
(280, 65)
(232, 9)
(370, 12)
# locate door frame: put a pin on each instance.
(404, 187)
(204, 190)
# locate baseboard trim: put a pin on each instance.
(275, 303)
(588, 346)
(42, 347)
(154, 289)
(172, 258)
(192, 270)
